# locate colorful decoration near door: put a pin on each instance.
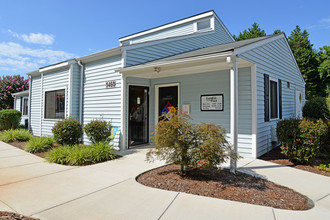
(169, 110)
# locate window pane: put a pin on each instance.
(60, 103)
(50, 105)
(273, 100)
(25, 106)
(203, 25)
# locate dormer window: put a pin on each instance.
(204, 25)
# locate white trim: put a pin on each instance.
(278, 99)
(254, 45)
(211, 28)
(100, 55)
(266, 41)
(165, 40)
(234, 110)
(173, 24)
(41, 101)
(254, 109)
(161, 63)
(56, 66)
(157, 98)
(294, 59)
(81, 91)
(65, 105)
(223, 26)
(123, 59)
(29, 111)
(123, 114)
(15, 102)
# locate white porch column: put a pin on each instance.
(233, 109)
(123, 113)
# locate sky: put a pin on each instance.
(37, 33)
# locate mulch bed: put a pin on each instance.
(20, 145)
(222, 184)
(14, 216)
(276, 156)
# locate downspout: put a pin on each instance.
(81, 91)
(14, 102)
(29, 106)
(41, 102)
(70, 91)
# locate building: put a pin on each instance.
(21, 103)
(193, 64)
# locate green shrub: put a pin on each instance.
(213, 148)
(9, 119)
(328, 102)
(102, 151)
(316, 108)
(180, 142)
(59, 155)
(98, 130)
(301, 139)
(15, 135)
(39, 144)
(67, 131)
(82, 155)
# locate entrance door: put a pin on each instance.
(298, 104)
(138, 129)
(168, 101)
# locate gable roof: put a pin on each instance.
(235, 48)
(214, 49)
(175, 23)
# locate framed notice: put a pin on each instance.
(212, 102)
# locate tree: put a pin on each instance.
(306, 58)
(323, 58)
(252, 32)
(8, 86)
(278, 31)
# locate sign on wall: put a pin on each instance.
(212, 102)
(110, 84)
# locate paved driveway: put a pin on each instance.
(33, 187)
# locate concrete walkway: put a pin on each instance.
(33, 187)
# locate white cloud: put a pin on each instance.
(322, 24)
(35, 38)
(15, 57)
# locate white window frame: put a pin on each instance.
(157, 97)
(44, 104)
(270, 101)
(211, 28)
(25, 98)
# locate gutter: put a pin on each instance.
(81, 90)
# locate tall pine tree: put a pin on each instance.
(306, 59)
(252, 32)
(323, 57)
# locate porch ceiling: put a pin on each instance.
(193, 65)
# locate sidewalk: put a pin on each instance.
(33, 187)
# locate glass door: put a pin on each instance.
(138, 129)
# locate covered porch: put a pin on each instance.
(185, 81)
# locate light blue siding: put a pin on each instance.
(218, 82)
(58, 79)
(176, 46)
(98, 101)
(35, 105)
(274, 59)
